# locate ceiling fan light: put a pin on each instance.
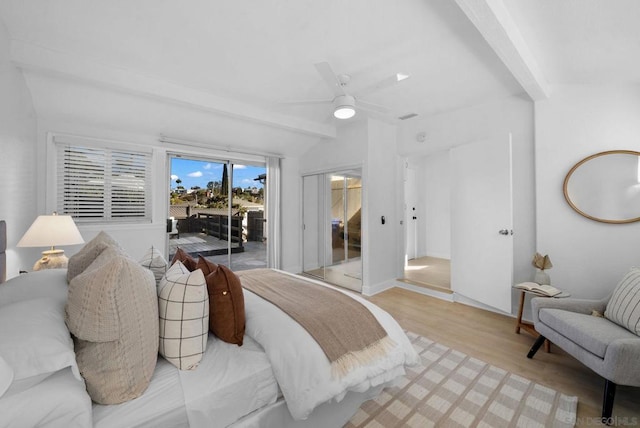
(345, 107)
(344, 112)
(401, 76)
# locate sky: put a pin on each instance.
(199, 173)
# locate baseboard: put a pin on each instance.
(470, 302)
(370, 290)
(449, 297)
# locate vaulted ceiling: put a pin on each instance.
(246, 61)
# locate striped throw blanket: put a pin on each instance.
(346, 330)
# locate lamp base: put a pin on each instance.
(52, 259)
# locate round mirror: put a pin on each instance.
(605, 187)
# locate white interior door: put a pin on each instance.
(411, 214)
(482, 219)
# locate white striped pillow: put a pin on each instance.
(155, 262)
(183, 306)
(624, 306)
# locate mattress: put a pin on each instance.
(230, 382)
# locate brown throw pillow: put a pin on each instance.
(206, 266)
(184, 257)
(226, 303)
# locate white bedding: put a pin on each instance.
(301, 367)
(58, 401)
(162, 404)
(230, 382)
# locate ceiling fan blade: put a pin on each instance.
(302, 102)
(371, 107)
(330, 78)
(384, 83)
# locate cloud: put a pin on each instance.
(207, 166)
(196, 174)
(239, 166)
(174, 177)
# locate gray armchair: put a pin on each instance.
(606, 348)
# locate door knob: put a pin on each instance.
(505, 232)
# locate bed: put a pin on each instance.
(272, 380)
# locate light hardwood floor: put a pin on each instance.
(491, 337)
(431, 272)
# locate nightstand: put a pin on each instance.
(527, 326)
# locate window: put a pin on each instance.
(97, 184)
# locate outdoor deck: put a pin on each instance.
(201, 244)
(250, 255)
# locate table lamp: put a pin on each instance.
(51, 231)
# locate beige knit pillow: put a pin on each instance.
(183, 303)
(112, 310)
(87, 254)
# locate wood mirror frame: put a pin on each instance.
(601, 180)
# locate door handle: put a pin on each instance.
(505, 232)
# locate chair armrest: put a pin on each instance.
(621, 362)
(581, 306)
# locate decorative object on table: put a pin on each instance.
(541, 263)
(51, 231)
(541, 289)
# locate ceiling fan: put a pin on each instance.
(346, 103)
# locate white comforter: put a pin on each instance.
(301, 367)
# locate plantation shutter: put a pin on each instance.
(96, 184)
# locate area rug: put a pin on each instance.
(451, 389)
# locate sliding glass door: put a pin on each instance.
(217, 210)
(332, 205)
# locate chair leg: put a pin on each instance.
(607, 403)
(536, 345)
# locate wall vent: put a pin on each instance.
(408, 116)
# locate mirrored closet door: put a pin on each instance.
(332, 227)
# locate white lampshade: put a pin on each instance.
(52, 231)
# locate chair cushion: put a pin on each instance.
(624, 305)
(589, 332)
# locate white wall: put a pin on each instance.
(437, 208)
(589, 257)
(18, 192)
(290, 214)
(381, 199)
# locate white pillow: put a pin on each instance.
(58, 401)
(183, 306)
(34, 339)
(155, 262)
(6, 376)
(43, 283)
(624, 305)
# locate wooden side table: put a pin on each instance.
(527, 326)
